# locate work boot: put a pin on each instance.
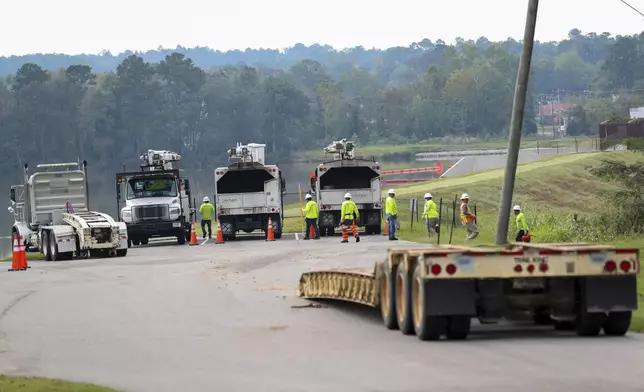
(316, 238)
(306, 238)
(357, 238)
(344, 241)
(393, 239)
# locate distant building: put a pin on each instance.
(621, 128)
(554, 113)
(636, 112)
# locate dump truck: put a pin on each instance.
(51, 213)
(155, 202)
(248, 192)
(345, 173)
(437, 291)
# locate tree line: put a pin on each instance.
(199, 102)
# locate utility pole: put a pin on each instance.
(516, 124)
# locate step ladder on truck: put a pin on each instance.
(51, 214)
(437, 291)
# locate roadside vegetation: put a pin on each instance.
(33, 384)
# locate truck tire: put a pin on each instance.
(458, 327)
(45, 245)
(590, 324)
(403, 301)
(136, 242)
(388, 297)
(617, 323)
(121, 252)
(144, 241)
(330, 231)
(53, 247)
(181, 238)
(426, 327)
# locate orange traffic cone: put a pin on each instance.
(193, 235)
(23, 254)
(386, 231)
(345, 234)
(220, 235)
(311, 232)
(15, 259)
(270, 235)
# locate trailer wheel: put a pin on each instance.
(388, 298)
(426, 327)
(45, 245)
(53, 247)
(403, 301)
(458, 327)
(617, 323)
(590, 324)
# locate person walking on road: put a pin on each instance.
(522, 225)
(391, 213)
(206, 210)
(311, 217)
(430, 214)
(350, 216)
(467, 218)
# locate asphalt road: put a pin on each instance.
(220, 318)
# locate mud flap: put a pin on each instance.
(609, 294)
(445, 297)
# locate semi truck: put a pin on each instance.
(155, 202)
(248, 192)
(52, 215)
(345, 173)
(437, 291)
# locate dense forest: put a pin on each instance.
(200, 102)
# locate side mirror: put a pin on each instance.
(12, 194)
(118, 191)
(313, 184)
(186, 185)
(283, 185)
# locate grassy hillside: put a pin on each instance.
(34, 384)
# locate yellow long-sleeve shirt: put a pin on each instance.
(430, 210)
(390, 206)
(348, 209)
(206, 210)
(311, 210)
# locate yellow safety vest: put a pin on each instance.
(465, 208)
(311, 210)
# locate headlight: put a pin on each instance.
(175, 211)
(126, 215)
(175, 201)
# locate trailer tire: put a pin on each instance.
(617, 323)
(388, 297)
(458, 327)
(45, 245)
(403, 301)
(426, 327)
(590, 324)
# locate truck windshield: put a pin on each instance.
(151, 187)
(347, 178)
(243, 181)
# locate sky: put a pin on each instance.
(91, 26)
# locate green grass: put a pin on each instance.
(452, 145)
(29, 384)
(30, 256)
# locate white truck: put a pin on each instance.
(155, 202)
(51, 213)
(360, 177)
(248, 192)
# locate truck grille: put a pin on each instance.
(152, 212)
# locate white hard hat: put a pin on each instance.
(206, 199)
(465, 196)
(308, 196)
(347, 195)
(517, 208)
(428, 195)
(391, 192)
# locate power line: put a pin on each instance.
(633, 8)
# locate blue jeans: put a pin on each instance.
(312, 222)
(391, 223)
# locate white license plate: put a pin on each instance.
(176, 224)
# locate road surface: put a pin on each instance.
(220, 318)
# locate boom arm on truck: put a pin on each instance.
(435, 291)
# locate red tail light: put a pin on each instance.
(436, 269)
(543, 267)
(518, 268)
(610, 266)
(530, 268)
(450, 269)
(625, 266)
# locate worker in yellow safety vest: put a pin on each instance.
(430, 214)
(206, 210)
(311, 217)
(391, 214)
(522, 225)
(467, 218)
(349, 214)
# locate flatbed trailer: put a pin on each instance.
(436, 291)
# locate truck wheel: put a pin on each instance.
(121, 252)
(136, 242)
(458, 327)
(181, 238)
(53, 247)
(45, 245)
(278, 235)
(617, 323)
(377, 230)
(541, 317)
(330, 231)
(403, 301)
(426, 327)
(590, 324)
(144, 241)
(388, 297)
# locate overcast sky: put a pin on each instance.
(90, 26)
